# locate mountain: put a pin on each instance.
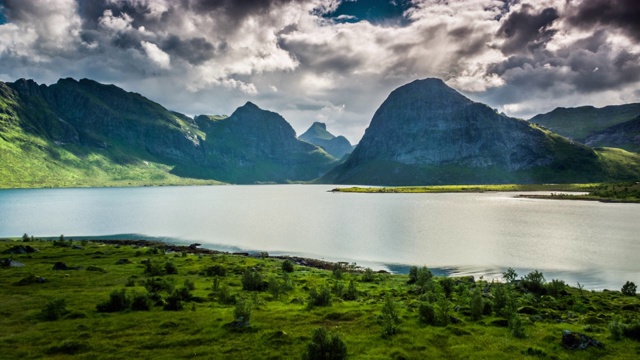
(76, 133)
(427, 133)
(581, 122)
(254, 145)
(336, 146)
(625, 135)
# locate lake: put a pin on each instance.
(481, 234)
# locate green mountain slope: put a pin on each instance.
(625, 135)
(580, 122)
(427, 133)
(82, 133)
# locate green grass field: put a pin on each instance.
(471, 320)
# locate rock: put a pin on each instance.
(20, 249)
(62, 266)
(194, 246)
(10, 263)
(76, 247)
(577, 341)
(123, 261)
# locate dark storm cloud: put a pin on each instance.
(235, 9)
(526, 32)
(195, 51)
(622, 14)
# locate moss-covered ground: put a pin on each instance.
(480, 323)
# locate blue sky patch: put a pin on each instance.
(379, 12)
(3, 19)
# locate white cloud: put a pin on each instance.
(157, 56)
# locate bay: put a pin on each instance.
(480, 234)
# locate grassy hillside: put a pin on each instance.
(142, 302)
(577, 123)
(29, 161)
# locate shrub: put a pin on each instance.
(413, 275)
(424, 280)
(447, 286)
(427, 314)
(225, 296)
(352, 291)
(25, 237)
(338, 272)
(188, 284)
(275, 287)
(499, 299)
(389, 317)
(242, 312)
(555, 287)
(287, 266)
(338, 289)
(141, 302)
(174, 301)
(252, 281)
(629, 289)
(443, 311)
(322, 298)
(516, 326)
(534, 282)
(325, 347)
(368, 275)
(54, 310)
(156, 285)
(214, 270)
(615, 329)
(118, 301)
(153, 268)
(476, 305)
(170, 268)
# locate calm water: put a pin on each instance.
(482, 234)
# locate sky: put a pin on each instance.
(333, 61)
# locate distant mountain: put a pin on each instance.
(625, 135)
(581, 122)
(318, 135)
(255, 145)
(83, 132)
(427, 133)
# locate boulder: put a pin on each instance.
(20, 249)
(577, 341)
(10, 263)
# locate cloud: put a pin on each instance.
(328, 60)
(157, 56)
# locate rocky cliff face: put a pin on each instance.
(427, 133)
(255, 145)
(336, 146)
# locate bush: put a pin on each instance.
(615, 329)
(447, 286)
(337, 272)
(188, 284)
(141, 302)
(390, 317)
(534, 282)
(252, 281)
(174, 301)
(443, 311)
(499, 299)
(118, 301)
(424, 280)
(225, 296)
(476, 305)
(157, 285)
(287, 266)
(214, 270)
(368, 275)
(413, 275)
(275, 287)
(325, 347)
(427, 314)
(170, 268)
(516, 326)
(555, 287)
(54, 310)
(629, 289)
(242, 312)
(322, 298)
(352, 291)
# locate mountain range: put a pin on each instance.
(76, 133)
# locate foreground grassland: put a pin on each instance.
(196, 310)
(613, 192)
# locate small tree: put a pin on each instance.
(447, 286)
(534, 282)
(118, 301)
(287, 266)
(25, 237)
(325, 347)
(390, 317)
(413, 275)
(242, 312)
(322, 298)
(427, 314)
(368, 275)
(352, 291)
(443, 311)
(629, 289)
(516, 326)
(510, 275)
(476, 305)
(252, 281)
(275, 287)
(54, 310)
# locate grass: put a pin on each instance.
(470, 188)
(281, 327)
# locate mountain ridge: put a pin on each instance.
(317, 134)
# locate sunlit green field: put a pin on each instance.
(469, 319)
